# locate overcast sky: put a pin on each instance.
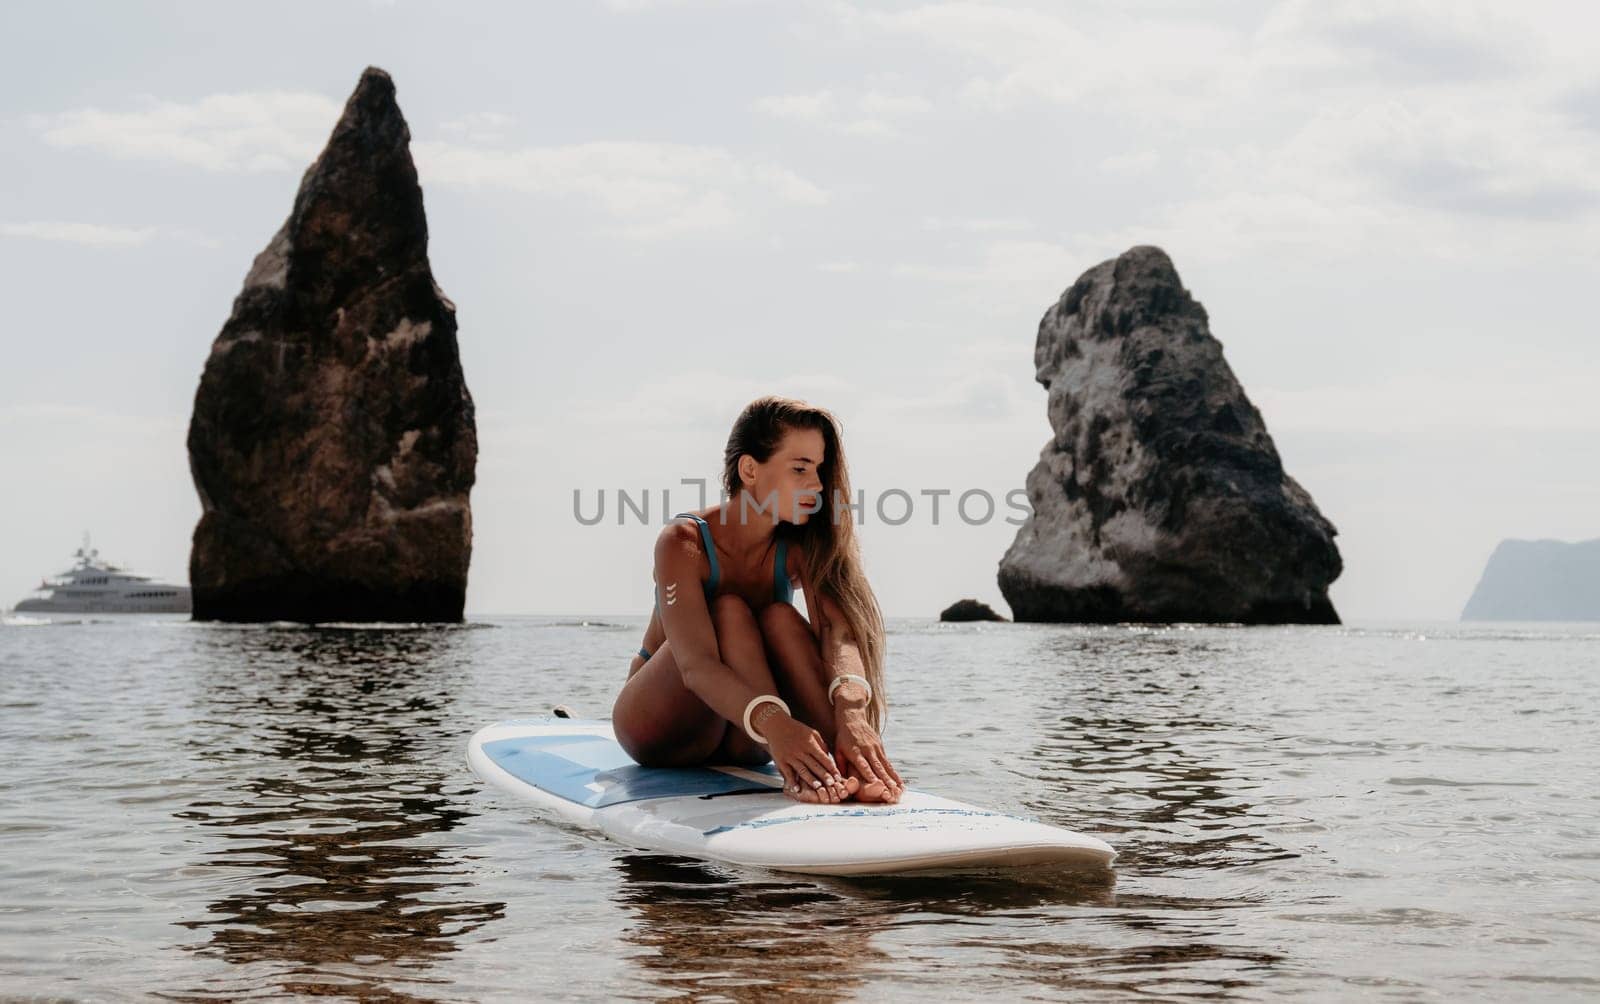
(649, 212)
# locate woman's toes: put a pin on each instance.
(803, 795)
(827, 794)
(874, 791)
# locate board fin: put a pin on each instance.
(562, 711)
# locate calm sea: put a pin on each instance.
(1396, 811)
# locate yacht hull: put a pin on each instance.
(176, 605)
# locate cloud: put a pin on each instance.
(93, 234)
(702, 398)
(1526, 393)
(1476, 155)
(99, 234)
(1581, 105)
(250, 132)
(870, 113)
(1133, 162)
(635, 6)
(1011, 276)
(1190, 65)
(103, 426)
(1021, 54)
(650, 190)
(1324, 128)
(1005, 261)
(1421, 41)
(479, 127)
(956, 394)
(978, 380)
(1444, 175)
(977, 225)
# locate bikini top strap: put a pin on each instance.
(711, 549)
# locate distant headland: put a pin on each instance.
(1538, 580)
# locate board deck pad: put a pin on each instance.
(596, 772)
(576, 769)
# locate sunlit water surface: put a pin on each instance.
(201, 812)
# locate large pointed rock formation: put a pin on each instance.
(1160, 497)
(333, 443)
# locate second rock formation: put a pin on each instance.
(1160, 498)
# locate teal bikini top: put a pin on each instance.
(782, 591)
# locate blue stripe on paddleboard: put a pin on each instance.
(596, 772)
(778, 820)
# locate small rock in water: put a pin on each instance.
(969, 610)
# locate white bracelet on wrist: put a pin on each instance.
(840, 680)
(752, 706)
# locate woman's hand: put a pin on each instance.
(859, 747)
(803, 759)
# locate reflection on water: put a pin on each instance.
(818, 935)
(706, 932)
(336, 821)
(213, 812)
(1182, 782)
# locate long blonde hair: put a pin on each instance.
(830, 553)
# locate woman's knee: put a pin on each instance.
(651, 745)
(730, 612)
(779, 617)
(787, 634)
(729, 604)
(682, 754)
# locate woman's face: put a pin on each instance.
(789, 481)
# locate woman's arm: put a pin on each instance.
(687, 621)
(840, 655)
(800, 752)
(855, 741)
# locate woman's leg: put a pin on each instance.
(744, 645)
(658, 721)
(739, 639)
(661, 723)
(797, 658)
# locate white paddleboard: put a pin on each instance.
(576, 769)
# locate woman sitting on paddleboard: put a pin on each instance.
(730, 671)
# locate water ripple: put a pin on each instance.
(209, 812)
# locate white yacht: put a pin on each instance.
(93, 586)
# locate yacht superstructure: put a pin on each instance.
(92, 586)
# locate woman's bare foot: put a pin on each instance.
(814, 795)
(875, 791)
